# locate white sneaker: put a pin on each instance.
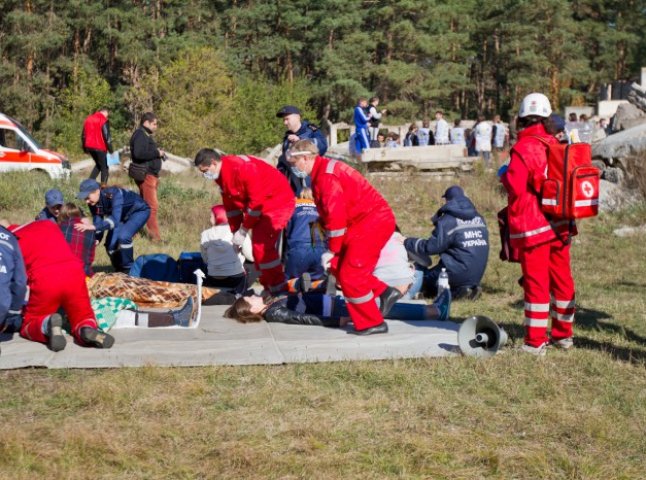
(564, 343)
(539, 351)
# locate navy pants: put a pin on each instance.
(119, 243)
(305, 258)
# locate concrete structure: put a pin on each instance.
(434, 157)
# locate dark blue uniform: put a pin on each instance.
(306, 132)
(121, 213)
(13, 282)
(304, 242)
(461, 239)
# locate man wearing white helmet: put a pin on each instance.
(543, 244)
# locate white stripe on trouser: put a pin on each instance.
(126, 245)
(364, 299)
(111, 222)
(269, 265)
(564, 303)
(536, 322)
(537, 307)
(563, 317)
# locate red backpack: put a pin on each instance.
(571, 187)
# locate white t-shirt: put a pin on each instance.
(483, 137)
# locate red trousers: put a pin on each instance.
(357, 261)
(547, 276)
(148, 191)
(52, 287)
(264, 246)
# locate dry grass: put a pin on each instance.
(574, 415)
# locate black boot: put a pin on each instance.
(381, 328)
(96, 338)
(387, 299)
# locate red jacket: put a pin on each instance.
(96, 133)
(343, 198)
(43, 245)
(523, 180)
(252, 188)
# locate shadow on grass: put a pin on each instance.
(589, 319)
(635, 357)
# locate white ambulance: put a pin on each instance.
(20, 151)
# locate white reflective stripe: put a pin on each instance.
(465, 227)
(109, 220)
(330, 166)
(363, 299)
(327, 305)
(234, 213)
(536, 322)
(278, 288)
(6, 244)
(14, 312)
(336, 233)
(585, 203)
(531, 232)
(417, 243)
(549, 201)
(537, 307)
(268, 265)
(564, 317)
(564, 303)
(244, 157)
(126, 245)
(253, 213)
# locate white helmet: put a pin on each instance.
(535, 104)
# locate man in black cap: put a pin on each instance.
(461, 239)
(298, 129)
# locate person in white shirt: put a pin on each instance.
(458, 136)
(225, 264)
(483, 140)
(441, 129)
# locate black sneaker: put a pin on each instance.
(96, 338)
(381, 328)
(55, 337)
(387, 299)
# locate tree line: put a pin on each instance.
(216, 71)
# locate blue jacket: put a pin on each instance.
(45, 214)
(460, 238)
(13, 278)
(307, 131)
(303, 228)
(360, 118)
(115, 205)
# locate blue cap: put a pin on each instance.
(54, 197)
(87, 186)
(453, 192)
(558, 121)
(287, 110)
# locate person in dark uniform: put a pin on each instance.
(13, 282)
(119, 212)
(298, 129)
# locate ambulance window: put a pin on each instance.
(10, 139)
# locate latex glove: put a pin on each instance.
(239, 237)
(326, 260)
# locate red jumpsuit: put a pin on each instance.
(55, 278)
(257, 196)
(543, 245)
(358, 223)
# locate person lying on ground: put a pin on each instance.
(326, 310)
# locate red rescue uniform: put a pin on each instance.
(544, 246)
(358, 222)
(56, 279)
(258, 197)
(93, 137)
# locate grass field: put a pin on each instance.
(572, 415)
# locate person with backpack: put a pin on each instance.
(544, 244)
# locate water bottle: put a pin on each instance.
(442, 281)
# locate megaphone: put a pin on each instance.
(480, 336)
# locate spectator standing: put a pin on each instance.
(297, 129)
(97, 141)
(411, 140)
(361, 118)
(375, 118)
(483, 140)
(144, 152)
(53, 204)
(358, 222)
(544, 245)
(499, 138)
(457, 134)
(441, 129)
(425, 135)
(585, 129)
(256, 196)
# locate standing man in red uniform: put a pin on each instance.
(358, 222)
(544, 245)
(56, 279)
(256, 196)
(96, 141)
